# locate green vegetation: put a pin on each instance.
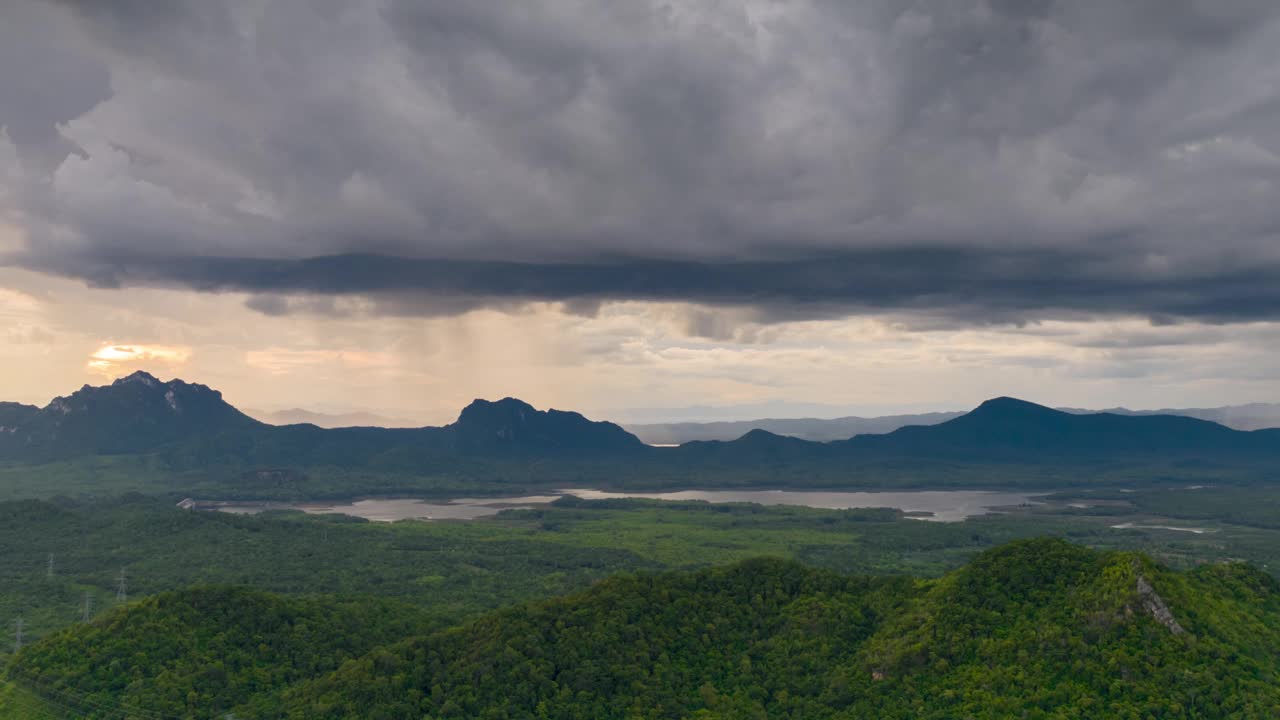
(452, 569)
(456, 569)
(203, 651)
(1249, 506)
(1035, 629)
(450, 574)
(18, 703)
(108, 476)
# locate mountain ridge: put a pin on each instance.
(328, 420)
(193, 427)
(1249, 417)
(1004, 425)
(134, 413)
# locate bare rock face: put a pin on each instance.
(1155, 605)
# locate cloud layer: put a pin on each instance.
(973, 161)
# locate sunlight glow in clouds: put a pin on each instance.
(117, 360)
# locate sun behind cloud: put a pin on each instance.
(117, 359)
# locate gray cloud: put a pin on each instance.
(976, 161)
(966, 283)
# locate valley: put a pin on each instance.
(414, 539)
(639, 360)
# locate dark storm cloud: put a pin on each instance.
(974, 161)
(41, 87)
(959, 283)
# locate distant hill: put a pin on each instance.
(181, 428)
(298, 416)
(1007, 430)
(816, 429)
(1254, 416)
(1036, 628)
(514, 426)
(1006, 427)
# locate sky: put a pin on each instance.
(773, 206)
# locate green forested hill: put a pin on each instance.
(200, 652)
(1034, 629)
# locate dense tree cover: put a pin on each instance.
(457, 569)
(1257, 506)
(1047, 629)
(17, 703)
(452, 570)
(224, 474)
(202, 651)
(1037, 629)
(1031, 628)
(632, 644)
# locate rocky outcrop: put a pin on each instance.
(1154, 605)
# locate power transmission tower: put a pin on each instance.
(86, 607)
(122, 593)
(17, 641)
(48, 571)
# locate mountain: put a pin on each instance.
(193, 426)
(14, 414)
(1005, 430)
(1006, 427)
(756, 446)
(299, 416)
(1038, 628)
(815, 429)
(1254, 416)
(133, 414)
(514, 426)
(188, 428)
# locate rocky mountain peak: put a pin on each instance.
(511, 424)
(141, 377)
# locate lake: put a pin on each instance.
(392, 509)
(936, 505)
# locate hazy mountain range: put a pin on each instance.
(1254, 416)
(816, 429)
(190, 425)
(299, 416)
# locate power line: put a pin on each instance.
(122, 592)
(86, 607)
(32, 707)
(66, 696)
